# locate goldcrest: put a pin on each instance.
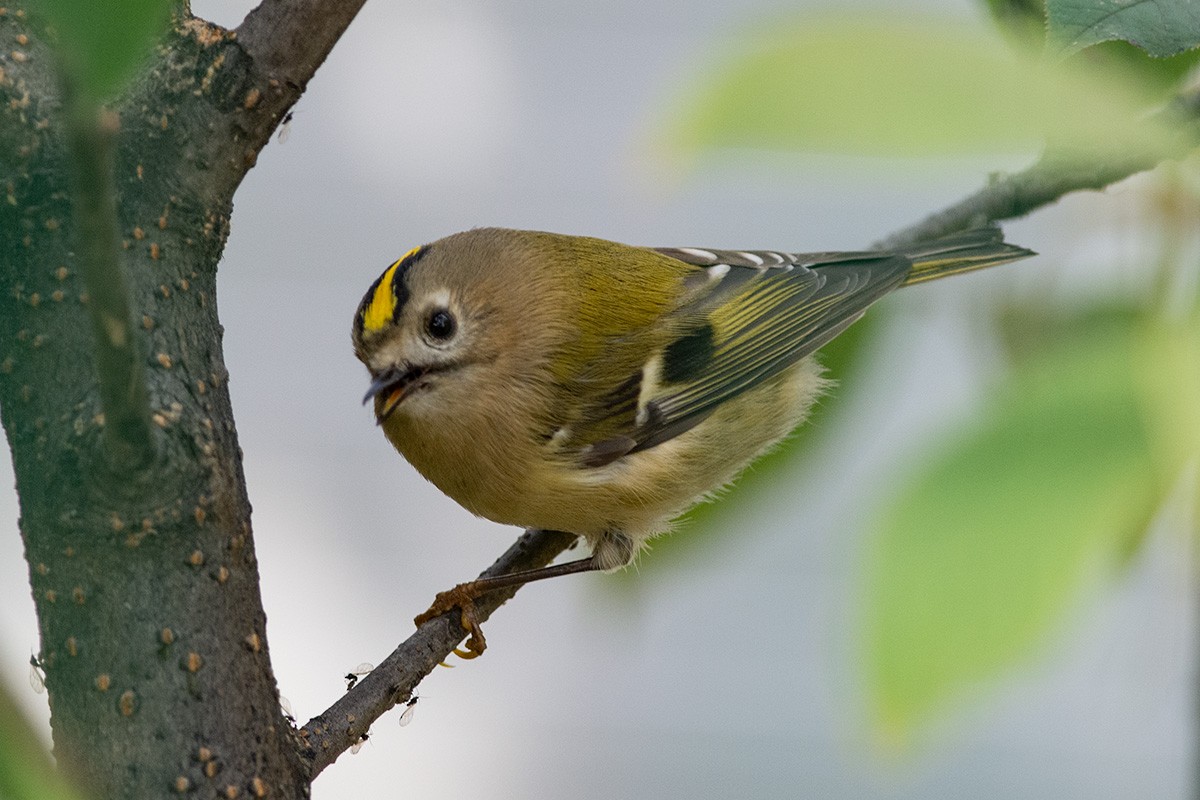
(581, 385)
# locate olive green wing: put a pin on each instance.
(743, 317)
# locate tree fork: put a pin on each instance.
(144, 576)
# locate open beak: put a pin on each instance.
(390, 387)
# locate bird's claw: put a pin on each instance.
(462, 598)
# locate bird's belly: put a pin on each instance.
(637, 495)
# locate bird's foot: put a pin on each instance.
(461, 597)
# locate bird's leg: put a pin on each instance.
(463, 597)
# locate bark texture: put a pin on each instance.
(153, 634)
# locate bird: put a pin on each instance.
(576, 384)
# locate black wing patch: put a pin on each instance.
(687, 357)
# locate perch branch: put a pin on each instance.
(341, 725)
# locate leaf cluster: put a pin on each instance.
(1008, 519)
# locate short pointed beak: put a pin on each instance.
(381, 382)
(390, 385)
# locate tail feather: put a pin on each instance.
(960, 252)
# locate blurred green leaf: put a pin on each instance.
(1159, 76)
(722, 518)
(1023, 20)
(26, 771)
(1169, 378)
(1026, 327)
(101, 44)
(899, 86)
(995, 538)
(1160, 27)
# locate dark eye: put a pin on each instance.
(440, 324)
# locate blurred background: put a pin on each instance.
(731, 667)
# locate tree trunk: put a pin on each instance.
(153, 636)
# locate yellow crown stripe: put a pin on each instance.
(383, 304)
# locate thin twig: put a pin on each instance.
(1012, 196)
(1052, 177)
(341, 725)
